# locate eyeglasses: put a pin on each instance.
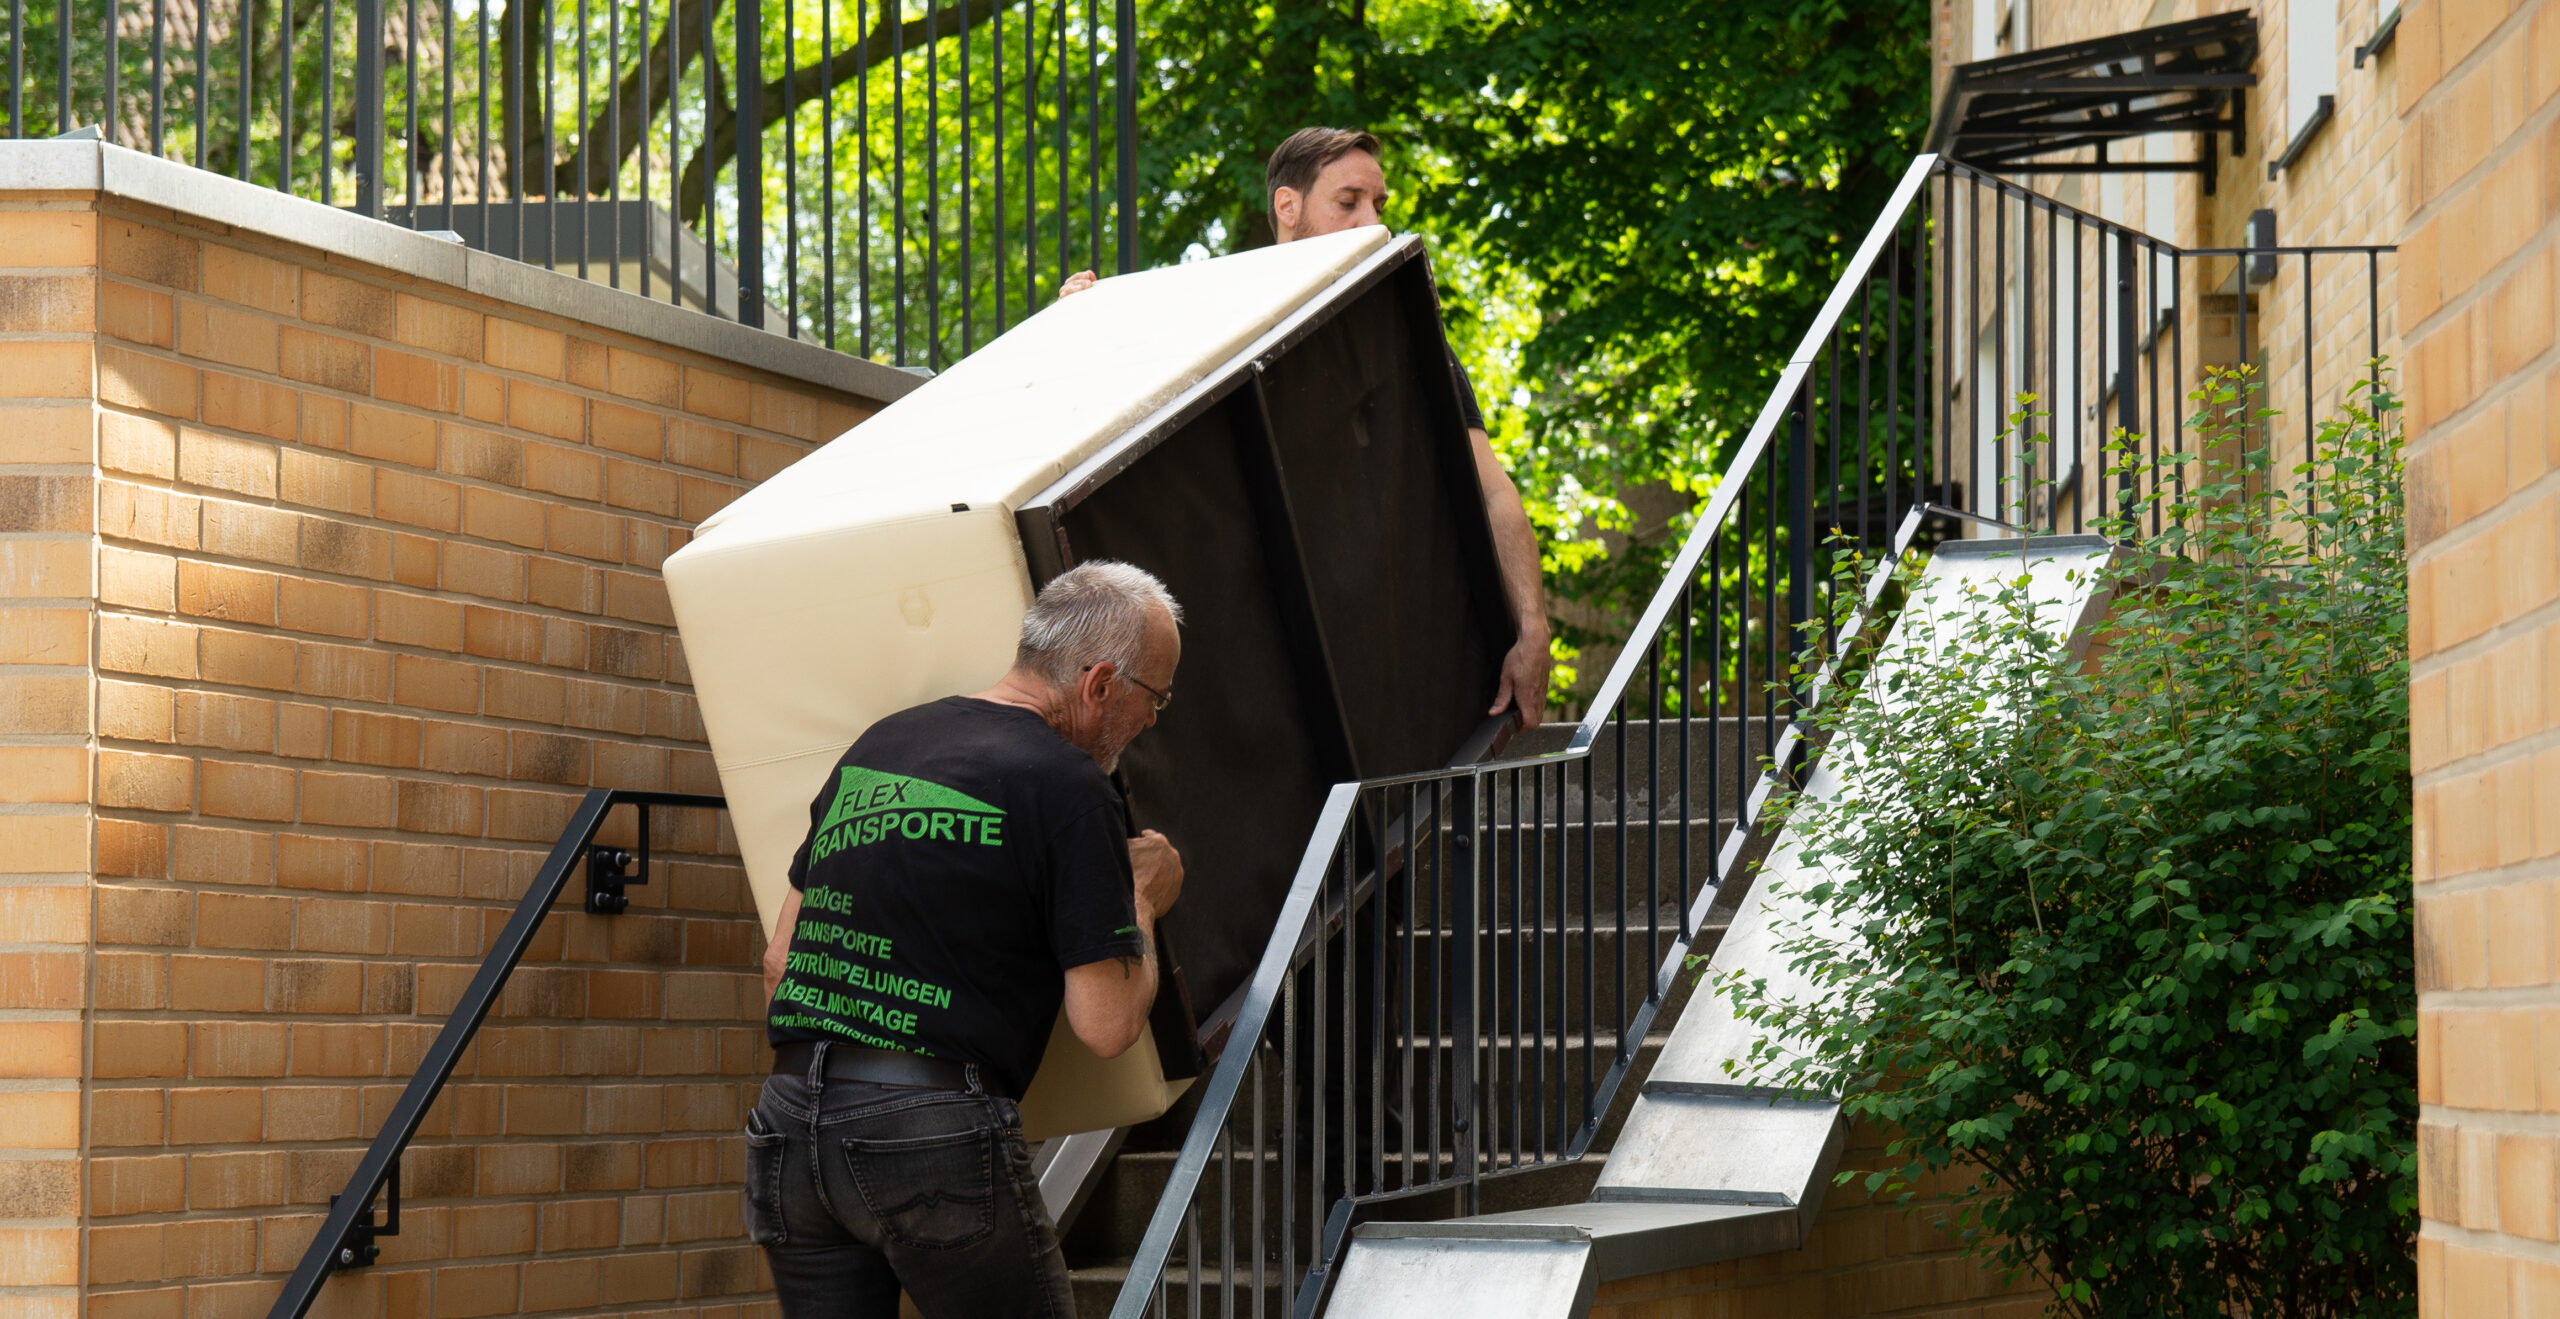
(1162, 698)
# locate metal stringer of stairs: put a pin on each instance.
(1709, 1167)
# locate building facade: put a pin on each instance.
(2432, 126)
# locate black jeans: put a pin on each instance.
(858, 1190)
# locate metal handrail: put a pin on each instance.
(1928, 258)
(1862, 268)
(1290, 951)
(1298, 910)
(1729, 489)
(345, 1238)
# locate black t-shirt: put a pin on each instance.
(1468, 408)
(961, 858)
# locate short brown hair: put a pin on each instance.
(1297, 161)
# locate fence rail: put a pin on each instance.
(1468, 960)
(900, 179)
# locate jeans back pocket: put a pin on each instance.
(929, 1192)
(761, 1204)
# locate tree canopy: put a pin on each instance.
(1635, 208)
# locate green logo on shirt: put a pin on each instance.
(871, 806)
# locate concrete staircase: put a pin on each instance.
(1103, 1238)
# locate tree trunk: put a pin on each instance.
(721, 141)
(522, 37)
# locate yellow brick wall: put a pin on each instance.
(2481, 164)
(47, 307)
(327, 591)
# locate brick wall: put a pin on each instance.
(1864, 1258)
(324, 592)
(2481, 167)
(46, 693)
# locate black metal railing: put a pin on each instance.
(347, 1236)
(2056, 332)
(901, 180)
(1468, 960)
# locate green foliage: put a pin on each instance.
(1634, 208)
(1682, 183)
(1228, 80)
(2127, 943)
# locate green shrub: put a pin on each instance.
(2125, 945)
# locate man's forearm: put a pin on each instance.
(1148, 968)
(1108, 1002)
(1142, 968)
(1515, 543)
(777, 949)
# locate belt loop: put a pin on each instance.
(970, 1070)
(817, 1104)
(817, 1084)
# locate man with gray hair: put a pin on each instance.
(967, 873)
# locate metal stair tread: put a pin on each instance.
(1505, 817)
(1138, 1158)
(1627, 1239)
(1652, 1039)
(1118, 1270)
(1666, 933)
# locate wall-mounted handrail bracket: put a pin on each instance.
(611, 870)
(357, 1248)
(2380, 41)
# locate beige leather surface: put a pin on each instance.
(884, 570)
(1077, 1091)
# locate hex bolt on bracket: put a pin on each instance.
(357, 1248)
(610, 870)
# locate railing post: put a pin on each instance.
(1124, 24)
(109, 121)
(1464, 881)
(2128, 409)
(368, 162)
(62, 47)
(1800, 530)
(748, 73)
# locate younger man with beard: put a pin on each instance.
(1326, 180)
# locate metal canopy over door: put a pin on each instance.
(1315, 506)
(2028, 113)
